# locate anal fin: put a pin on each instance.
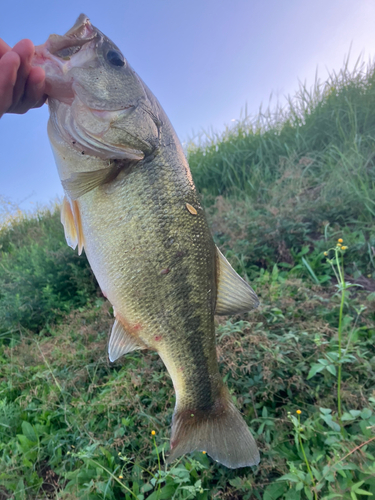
(121, 342)
(234, 295)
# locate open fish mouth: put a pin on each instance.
(55, 56)
(64, 46)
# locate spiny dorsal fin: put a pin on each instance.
(234, 295)
(121, 342)
(71, 220)
(80, 183)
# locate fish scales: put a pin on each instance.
(130, 201)
(153, 201)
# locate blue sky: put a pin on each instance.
(203, 59)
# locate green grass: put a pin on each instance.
(301, 172)
(280, 190)
(65, 410)
(318, 136)
(41, 279)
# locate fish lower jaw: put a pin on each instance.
(64, 94)
(58, 83)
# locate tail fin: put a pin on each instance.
(220, 431)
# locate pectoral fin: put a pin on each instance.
(234, 295)
(71, 220)
(81, 183)
(121, 342)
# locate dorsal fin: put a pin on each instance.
(121, 342)
(234, 295)
(71, 220)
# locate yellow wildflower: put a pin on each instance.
(344, 247)
(121, 477)
(204, 452)
(298, 412)
(153, 433)
(340, 240)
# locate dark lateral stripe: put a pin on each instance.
(192, 245)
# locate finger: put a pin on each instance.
(36, 87)
(34, 96)
(25, 50)
(9, 65)
(4, 47)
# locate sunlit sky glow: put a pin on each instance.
(203, 59)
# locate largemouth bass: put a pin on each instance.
(130, 201)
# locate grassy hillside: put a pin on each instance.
(305, 173)
(290, 200)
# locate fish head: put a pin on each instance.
(97, 101)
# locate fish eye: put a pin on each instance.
(115, 58)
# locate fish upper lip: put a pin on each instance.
(81, 33)
(47, 55)
(80, 27)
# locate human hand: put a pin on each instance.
(21, 86)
